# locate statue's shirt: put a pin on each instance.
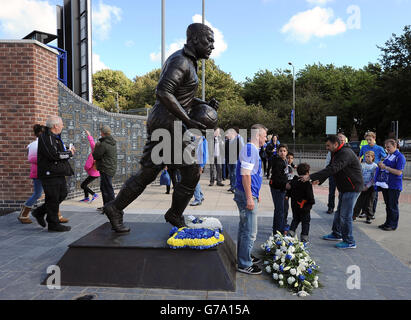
(179, 76)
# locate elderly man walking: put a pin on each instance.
(53, 167)
(346, 170)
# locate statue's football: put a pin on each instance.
(204, 114)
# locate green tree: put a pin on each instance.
(267, 87)
(144, 88)
(392, 99)
(105, 85)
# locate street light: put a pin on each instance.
(203, 63)
(293, 112)
(117, 106)
(163, 32)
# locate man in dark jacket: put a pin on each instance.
(53, 167)
(105, 154)
(346, 170)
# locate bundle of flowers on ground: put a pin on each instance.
(199, 239)
(290, 264)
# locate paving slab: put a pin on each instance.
(382, 257)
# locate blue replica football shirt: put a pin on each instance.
(395, 161)
(378, 151)
(249, 159)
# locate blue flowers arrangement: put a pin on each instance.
(199, 239)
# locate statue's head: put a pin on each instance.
(201, 38)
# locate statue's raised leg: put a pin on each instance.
(130, 190)
(183, 192)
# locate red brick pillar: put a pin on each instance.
(28, 95)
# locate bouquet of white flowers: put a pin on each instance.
(290, 264)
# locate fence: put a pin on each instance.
(315, 154)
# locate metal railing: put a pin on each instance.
(315, 154)
(61, 64)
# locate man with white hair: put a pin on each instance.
(53, 167)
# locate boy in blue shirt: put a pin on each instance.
(247, 195)
(379, 151)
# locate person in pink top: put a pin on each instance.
(38, 188)
(92, 172)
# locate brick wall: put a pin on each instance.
(79, 115)
(28, 95)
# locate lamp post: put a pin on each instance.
(293, 112)
(163, 31)
(203, 63)
(117, 106)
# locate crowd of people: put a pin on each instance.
(48, 156)
(358, 179)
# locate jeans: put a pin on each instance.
(331, 193)
(232, 168)
(278, 199)
(247, 229)
(85, 187)
(342, 224)
(198, 194)
(391, 198)
(38, 190)
(106, 187)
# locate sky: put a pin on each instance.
(250, 35)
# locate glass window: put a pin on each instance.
(83, 53)
(84, 80)
(82, 6)
(83, 27)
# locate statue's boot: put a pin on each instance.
(116, 218)
(182, 195)
(131, 189)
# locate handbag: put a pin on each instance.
(165, 179)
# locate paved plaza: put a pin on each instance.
(383, 258)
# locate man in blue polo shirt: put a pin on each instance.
(247, 195)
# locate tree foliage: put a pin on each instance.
(106, 83)
(363, 99)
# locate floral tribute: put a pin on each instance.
(203, 222)
(290, 264)
(199, 239)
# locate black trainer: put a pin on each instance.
(58, 228)
(254, 269)
(255, 259)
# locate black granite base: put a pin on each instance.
(142, 258)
